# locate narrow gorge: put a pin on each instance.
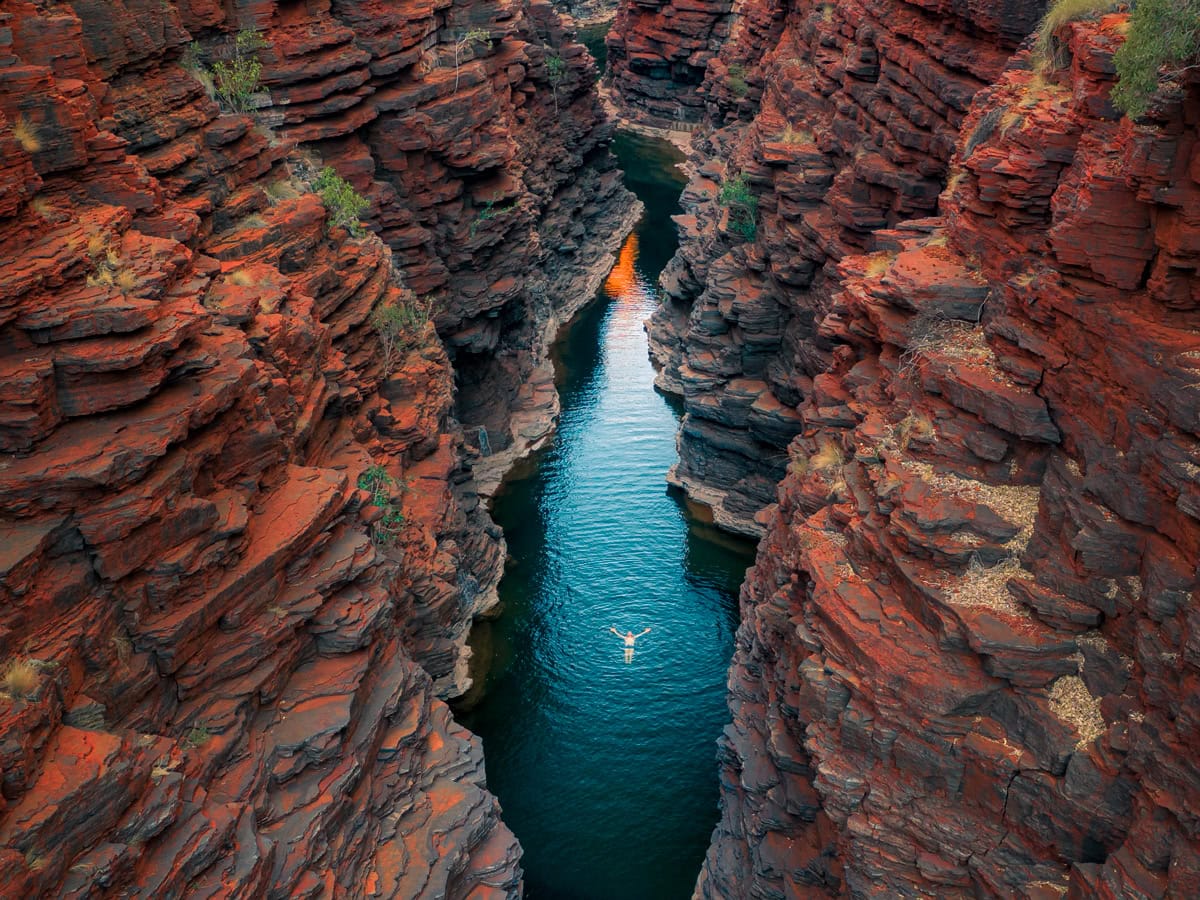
(365, 359)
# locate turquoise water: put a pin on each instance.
(606, 770)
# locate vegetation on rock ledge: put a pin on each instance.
(1162, 33)
(735, 195)
(344, 204)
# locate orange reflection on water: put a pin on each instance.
(622, 280)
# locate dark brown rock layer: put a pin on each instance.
(658, 52)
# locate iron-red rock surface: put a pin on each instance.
(221, 658)
(658, 52)
(967, 663)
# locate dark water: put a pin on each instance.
(607, 770)
(592, 37)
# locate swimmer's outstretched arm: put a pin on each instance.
(647, 631)
(614, 631)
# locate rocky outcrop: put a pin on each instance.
(239, 547)
(658, 52)
(841, 119)
(967, 664)
(587, 11)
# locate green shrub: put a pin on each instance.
(735, 196)
(399, 326)
(197, 737)
(491, 211)
(236, 81)
(1161, 33)
(345, 205)
(737, 81)
(389, 526)
(379, 483)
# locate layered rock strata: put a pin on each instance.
(658, 53)
(239, 548)
(968, 659)
(840, 119)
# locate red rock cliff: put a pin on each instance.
(221, 657)
(968, 661)
(658, 52)
(843, 117)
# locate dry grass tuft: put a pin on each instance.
(97, 244)
(27, 135)
(21, 679)
(1010, 120)
(283, 189)
(792, 135)
(1016, 504)
(122, 646)
(878, 263)
(126, 279)
(914, 426)
(241, 278)
(43, 208)
(1073, 703)
(828, 457)
(102, 277)
(798, 464)
(987, 588)
(1058, 15)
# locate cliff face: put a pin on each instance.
(239, 554)
(658, 51)
(843, 118)
(968, 659)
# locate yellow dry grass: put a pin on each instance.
(914, 426)
(878, 263)
(829, 456)
(792, 135)
(21, 678)
(126, 279)
(987, 588)
(26, 134)
(97, 244)
(241, 278)
(1073, 703)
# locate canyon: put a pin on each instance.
(933, 323)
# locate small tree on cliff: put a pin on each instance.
(556, 73)
(236, 80)
(344, 204)
(478, 36)
(399, 326)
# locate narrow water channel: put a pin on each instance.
(606, 769)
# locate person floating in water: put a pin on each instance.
(629, 638)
